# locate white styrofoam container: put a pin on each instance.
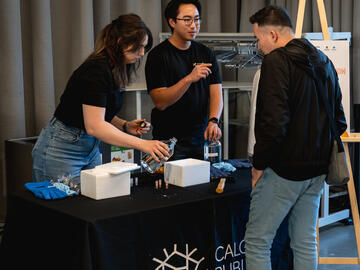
(187, 172)
(107, 180)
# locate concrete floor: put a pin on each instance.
(338, 240)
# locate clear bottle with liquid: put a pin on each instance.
(212, 151)
(150, 164)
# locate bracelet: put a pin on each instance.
(124, 127)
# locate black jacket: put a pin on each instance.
(292, 129)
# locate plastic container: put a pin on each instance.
(150, 164)
(212, 151)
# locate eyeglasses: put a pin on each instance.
(189, 21)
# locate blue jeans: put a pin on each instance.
(272, 199)
(63, 151)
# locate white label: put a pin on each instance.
(213, 154)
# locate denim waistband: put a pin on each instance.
(57, 123)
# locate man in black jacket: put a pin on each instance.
(293, 140)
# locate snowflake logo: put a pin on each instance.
(187, 258)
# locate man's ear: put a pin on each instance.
(172, 22)
(274, 36)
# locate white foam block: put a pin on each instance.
(107, 180)
(187, 172)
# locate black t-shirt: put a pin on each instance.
(187, 118)
(91, 84)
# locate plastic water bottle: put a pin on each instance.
(150, 164)
(212, 151)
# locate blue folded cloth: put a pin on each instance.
(224, 169)
(224, 166)
(240, 163)
(45, 190)
(215, 172)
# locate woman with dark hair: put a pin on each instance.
(87, 110)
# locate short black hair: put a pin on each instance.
(172, 9)
(272, 15)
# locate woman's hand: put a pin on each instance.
(137, 127)
(156, 149)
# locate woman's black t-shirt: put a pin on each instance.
(91, 84)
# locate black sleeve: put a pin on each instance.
(96, 82)
(272, 109)
(155, 71)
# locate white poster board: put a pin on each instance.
(339, 53)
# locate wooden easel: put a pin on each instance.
(352, 138)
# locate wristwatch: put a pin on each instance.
(214, 120)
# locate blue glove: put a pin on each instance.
(45, 190)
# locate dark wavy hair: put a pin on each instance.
(272, 15)
(172, 9)
(126, 31)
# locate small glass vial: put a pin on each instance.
(150, 164)
(212, 151)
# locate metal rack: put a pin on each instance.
(235, 50)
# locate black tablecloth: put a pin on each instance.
(148, 229)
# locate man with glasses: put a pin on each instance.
(184, 83)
